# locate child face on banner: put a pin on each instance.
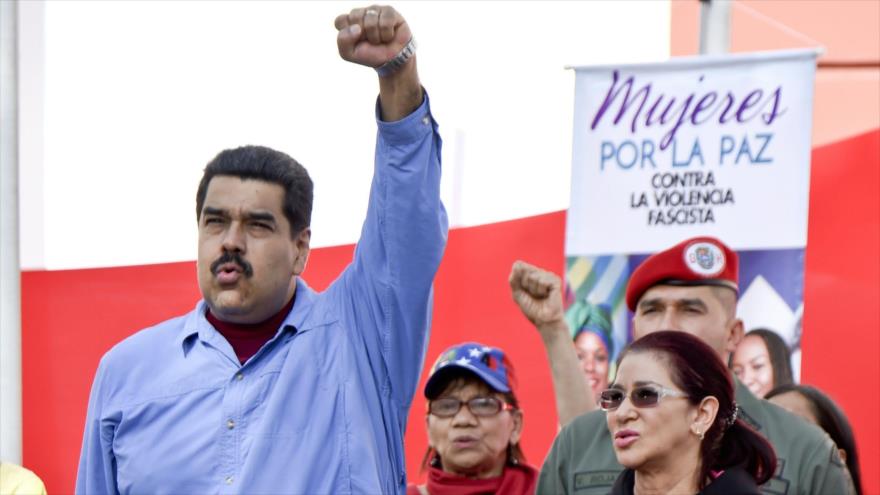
(593, 356)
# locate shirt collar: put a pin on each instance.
(302, 318)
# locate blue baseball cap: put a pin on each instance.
(487, 363)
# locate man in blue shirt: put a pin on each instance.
(267, 386)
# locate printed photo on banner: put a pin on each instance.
(697, 146)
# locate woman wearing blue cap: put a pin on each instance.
(474, 426)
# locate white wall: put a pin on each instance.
(123, 103)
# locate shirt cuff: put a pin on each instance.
(409, 129)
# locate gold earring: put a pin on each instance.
(700, 434)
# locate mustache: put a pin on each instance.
(236, 258)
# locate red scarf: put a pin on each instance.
(516, 480)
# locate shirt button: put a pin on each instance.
(426, 120)
(239, 376)
(230, 424)
(228, 480)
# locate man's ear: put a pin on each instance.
(735, 336)
(301, 241)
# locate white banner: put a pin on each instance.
(714, 146)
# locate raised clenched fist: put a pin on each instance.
(538, 294)
(372, 35)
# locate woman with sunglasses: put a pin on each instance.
(672, 415)
(474, 426)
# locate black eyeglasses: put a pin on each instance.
(446, 407)
(643, 396)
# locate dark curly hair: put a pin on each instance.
(265, 164)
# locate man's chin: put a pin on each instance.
(228, 308)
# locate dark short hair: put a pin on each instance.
(458, 378)
(268, 165)
(832, 419)
(697, 370)
(779, 353)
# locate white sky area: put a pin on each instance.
(123, 104)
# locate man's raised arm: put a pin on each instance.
(404, 233)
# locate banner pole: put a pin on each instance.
(714, 26)
(10, 271)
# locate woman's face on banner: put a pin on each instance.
(751, 364)
(593, 355)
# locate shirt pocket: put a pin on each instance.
(294, 402)
(298, 436)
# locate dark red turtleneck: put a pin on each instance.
(247, 338)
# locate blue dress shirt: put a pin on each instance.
(321, 408)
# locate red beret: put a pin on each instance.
(696, 261)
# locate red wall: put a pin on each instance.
(70, 318)
(841, 345)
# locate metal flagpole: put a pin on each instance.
(714, 26)
(10, 271)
